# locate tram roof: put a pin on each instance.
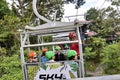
(56, 24)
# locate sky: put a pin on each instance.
(70, 8)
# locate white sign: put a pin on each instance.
(58, 73)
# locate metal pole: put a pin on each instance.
(36, 12)
(28, 42)
(39, 56)
(79, 66)
(81, 52)
(51, 43)
(22, 57)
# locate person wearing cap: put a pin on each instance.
(32, 56)
(50, 55)
(43, 58)
(72, 55)
(52, 63)
(74, 46)
(58, 55)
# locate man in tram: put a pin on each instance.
(74, 46)
(51, 63)
(43, 58)
(32, 56)
(72, 55)
(50, 55)
(58, 55)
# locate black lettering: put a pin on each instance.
(50, 77)
(42, 76)
(58, 77)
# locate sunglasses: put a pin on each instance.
(34, 57)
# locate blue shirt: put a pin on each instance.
(44, 59)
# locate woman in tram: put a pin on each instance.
(74, 46)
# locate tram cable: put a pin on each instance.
(102, 5)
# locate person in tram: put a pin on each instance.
(51, 63)
(43, 58)
(33, 56)
(58, 55)
(50, 55)
(74, 46)
(72, 55)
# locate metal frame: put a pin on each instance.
(49, 28)
(26, 44)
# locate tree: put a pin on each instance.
(9, 36)
(94, 49)
(46, 8)
(4, 10)
(92, 14)
(10, 68)
(24, 15)
(78, 3)
(111, 58)
(116, 3)
(106, 21)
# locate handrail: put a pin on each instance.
(37, 63)
(51, 43)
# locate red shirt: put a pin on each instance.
(74, 46)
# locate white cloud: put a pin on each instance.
(70, 9)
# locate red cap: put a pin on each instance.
(32, 54)
(44, 50)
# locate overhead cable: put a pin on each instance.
(102, 5)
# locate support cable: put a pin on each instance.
(102, 5)
(36, 12)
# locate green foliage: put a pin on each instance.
(45, 7)
(3, 52)
(4, 10)
(78, 3)
(111, 58)
(12, 23)
(92, 14)
(93, 51)
(10, 68)
(9, 36)
(97, 42)
(32, 70)
(100, 53)
(105, 20)
(88, 55)
(23, 8)
(116, 2)
(90, 65)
